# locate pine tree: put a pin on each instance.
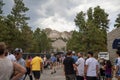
(92, 34)
(117, 24)
(15, 21)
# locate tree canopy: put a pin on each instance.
(92, 33)
(117, 24)
(16, 32)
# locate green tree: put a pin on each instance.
(100, 18)
(26, 38)
(1, 11)
(92, 33)
(3, 28)
(42, 41)
(117, 24)
(15, 22)
(45, 42)
(101, 21)
(18, 14)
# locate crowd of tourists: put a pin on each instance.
(75, 65)
(78, 67)
(14, 67)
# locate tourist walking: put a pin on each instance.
(36, 66)
(19, 59)
(102, 69)
(8, 68)
(91, 67)
(27, 62)
(69, 65)
(108, 70)
(53, 60)
(117, 70)
(80, 67)
(74, 56)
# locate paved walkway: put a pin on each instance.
(56, 76)
(46, 75)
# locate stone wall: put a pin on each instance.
(111, 36)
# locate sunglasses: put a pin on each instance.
(16, 53)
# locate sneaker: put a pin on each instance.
(51, 72)
(54, 71)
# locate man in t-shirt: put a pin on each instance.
(19, 59)
(91, 67)
(74, 56)
(69, 66)
(80, 67)
(117, 71)
(36, 66)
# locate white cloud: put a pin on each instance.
(60, 14)
(56, 22)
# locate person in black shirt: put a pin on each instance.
(69, 66)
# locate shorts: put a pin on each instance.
(70, 77)
(36, 74)
(80, 77)
(91, 78)
(108, 75)
(53, 63)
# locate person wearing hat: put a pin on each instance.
(74, 56)
(19, 59)
(91, 67)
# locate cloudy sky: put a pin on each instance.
(60, 14)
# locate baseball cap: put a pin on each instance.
(18, 50)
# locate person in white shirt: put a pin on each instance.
(10, 54)
(11, 57)
(80, 67)
(91, 67)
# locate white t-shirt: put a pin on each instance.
(11, 57)
(92, 64)
(80, 62)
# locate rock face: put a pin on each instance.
(59, 39)
(111, 36)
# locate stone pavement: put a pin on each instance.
(56, 76)
(46, 75)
